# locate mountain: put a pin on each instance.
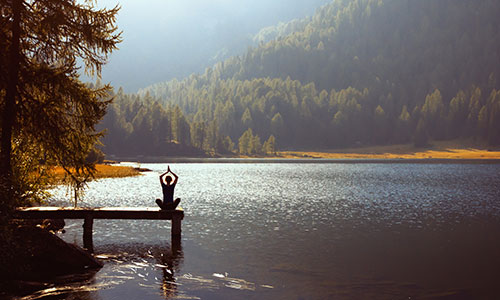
(357, 72)
(163, 40)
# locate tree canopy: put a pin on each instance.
(48, 114)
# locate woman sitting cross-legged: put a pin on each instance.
(168, 185)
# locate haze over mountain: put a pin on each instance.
(358, 72)
(166, 39)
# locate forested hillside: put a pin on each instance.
(359, 72)
(175, 38)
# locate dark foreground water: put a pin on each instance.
(299, 231)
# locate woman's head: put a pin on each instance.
(168, 179)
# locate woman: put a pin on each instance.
(168, 185)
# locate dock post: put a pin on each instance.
(87, 233)
(176, 224)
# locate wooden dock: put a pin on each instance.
(89, 214)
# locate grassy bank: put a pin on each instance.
(438, 150)
(102, 171)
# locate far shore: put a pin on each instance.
(460, 151)
(438, 150)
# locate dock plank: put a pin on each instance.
(88, 214)
(146, 213)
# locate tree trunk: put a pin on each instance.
(10, 110)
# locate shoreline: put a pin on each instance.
(103, 170)
(447, 154)
(449, 150)
(273, 160)
(438, 153)
(459, 152)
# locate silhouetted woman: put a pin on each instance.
(168, 185)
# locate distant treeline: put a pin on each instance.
(358, 72)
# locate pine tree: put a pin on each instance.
(43, 102)
(245, 142)
(228, 145)
(270, 145)
(246, 118)
(255, 145)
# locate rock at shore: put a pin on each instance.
(34, 254)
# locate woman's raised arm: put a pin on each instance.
(175, 176)
(163, 175)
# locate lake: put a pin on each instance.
(320, 230)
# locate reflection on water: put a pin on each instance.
(302, 231)
(149, 269)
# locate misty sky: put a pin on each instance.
(164, 39)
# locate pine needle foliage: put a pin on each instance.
(48, 114)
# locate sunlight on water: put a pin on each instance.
(274, 230)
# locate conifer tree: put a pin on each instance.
(270, 145)
(47, 113)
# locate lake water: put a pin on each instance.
(299, 231)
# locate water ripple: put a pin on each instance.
(289, 220)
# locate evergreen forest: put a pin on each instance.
(356, 73)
